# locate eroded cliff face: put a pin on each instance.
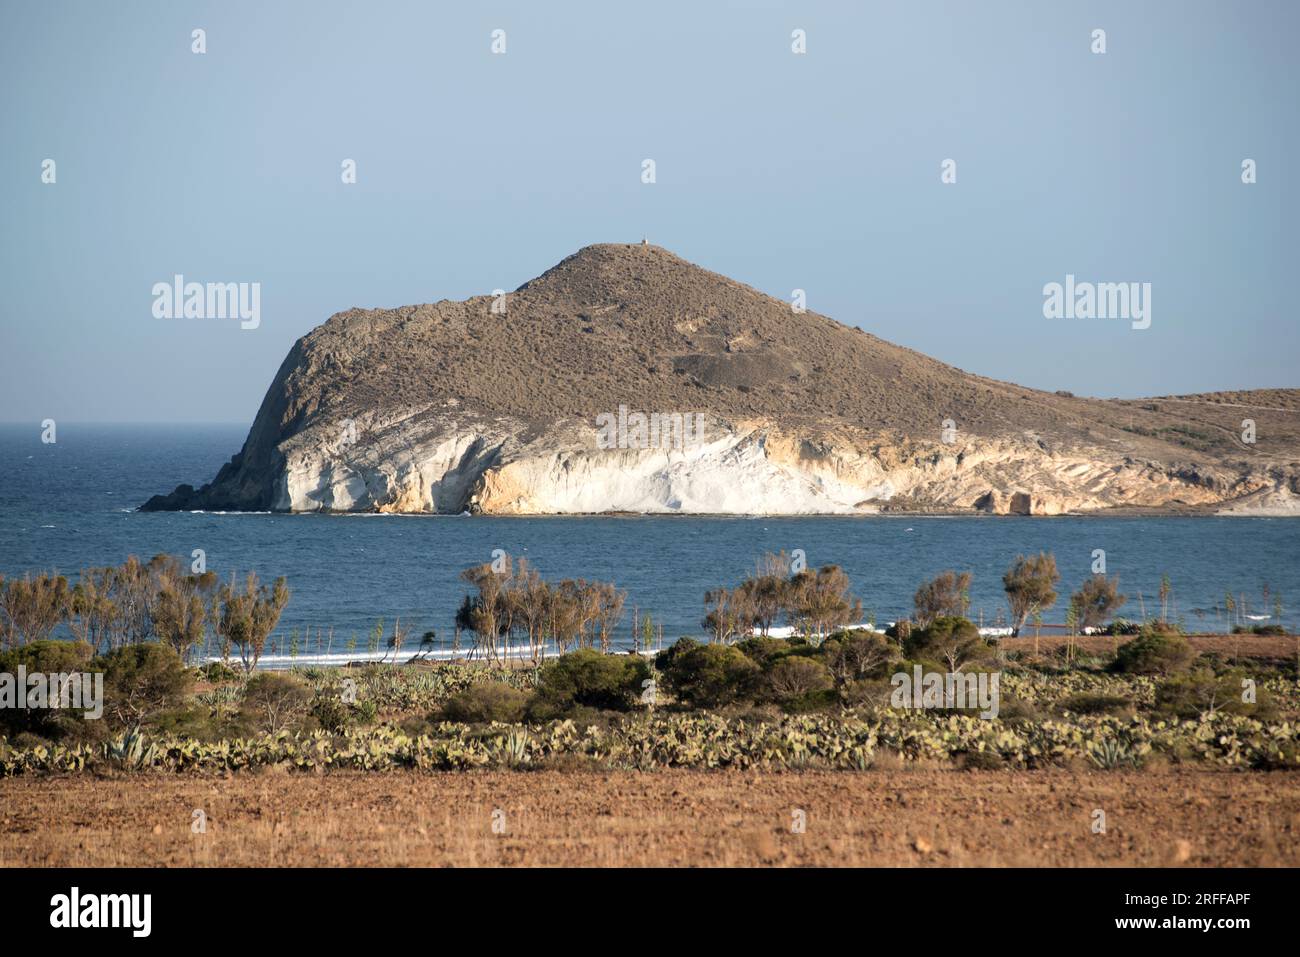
(456, 407)
(451, 465)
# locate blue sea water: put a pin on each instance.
(71, 504)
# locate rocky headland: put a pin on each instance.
(574, 394)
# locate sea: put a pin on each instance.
(72, 504)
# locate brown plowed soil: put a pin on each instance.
(877, 818)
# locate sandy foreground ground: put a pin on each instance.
(877, 818)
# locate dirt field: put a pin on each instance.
(877, 818)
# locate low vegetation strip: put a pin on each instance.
(846, 742)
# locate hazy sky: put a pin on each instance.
(476, 171)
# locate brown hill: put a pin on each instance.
(635, 325)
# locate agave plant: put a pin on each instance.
(130, 751)
(1111, 754)
(515, 748)
(223, 699)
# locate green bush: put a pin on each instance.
(587, 678)
(709, 676)
(275, 702)
(48, 656)
(792, 680)
(681, 646)
(1095, 704)
(946, 636)
(201, 724)
(899, 630)
(1156, 626)
(1202, 691)
(981, 761)
(141, 682)
(217, 672)
(866, 693)
(1012, 708)
(44, 657)
(854, 655)
(1258, 630)
(335, 715)
(762, 649)
(332, 713)
(28, 740)
(485, 702)
(1154, 654)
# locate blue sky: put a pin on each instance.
(478, 171)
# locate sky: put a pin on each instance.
(478, 170)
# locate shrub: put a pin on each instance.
(820, 602)
(981, 761)
(944, 595)
(331, 713)
(791, 680)
(753, 714)
(249, 613)
(28, 740)
(665, 659)
(762, 649)
(852, 655)
(364, 711)
(1258, 630)
(948, 639)
(1095, 704)
(1201, 692)
(589, 679)
(217, 672)
(899, 630)
(201, 724)
(142, 681)
(709, 676)
(1154, 654)
(334, 714)
(1030, 584)
(1095, 601)
(485, 702)
(46, 657)
(414, 725)
(1012, 708)
(867, 693)
(31, 608)
(1155, 626)
(275, 702)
